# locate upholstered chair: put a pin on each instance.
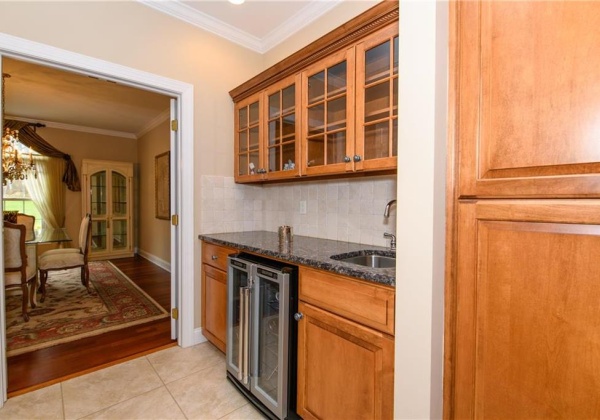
(67, 258)
(19, 268)
(28, 221)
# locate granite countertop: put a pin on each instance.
(308, 251)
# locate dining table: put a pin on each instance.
(50, 235)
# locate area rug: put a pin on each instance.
(69, 313)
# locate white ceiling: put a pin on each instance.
(73, 101)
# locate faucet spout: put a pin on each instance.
(386, 212)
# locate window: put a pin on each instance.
(16, 198)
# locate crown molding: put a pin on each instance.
(155, 122)
(73, 127)
(287, 28)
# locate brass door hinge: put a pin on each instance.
(175, 313)
(174, 125)
(175, 220)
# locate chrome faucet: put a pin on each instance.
(393, 242)
(386, 212)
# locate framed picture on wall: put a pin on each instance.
(162, 183)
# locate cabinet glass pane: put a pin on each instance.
(288, 151)
(395, 96)
(377, 102)
(316, 119)
(316, 87)
(316, 151)
(288, 101)
(274, 132)
(98, 193)
(377, 62)
(98, 235)
(268, 338)
(253, 138)
(119, 194)
(377, 140)
(119, 234)
(253, 120)
(336, 147)
(274, 159)
(288, 127)
(395, 137)
(243, 165)
(253, 164)
(243, 118)
(396, 55)
(336, 114)
(336, 79)
(274, 106)
(243, 141)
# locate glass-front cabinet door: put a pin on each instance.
(107, 192)
(249, 160)
(328, 112)
(377, 100)
(283, 128)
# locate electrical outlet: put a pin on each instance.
(303, 207)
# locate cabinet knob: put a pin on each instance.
(215, 257)
(356, 158)
(347, 159)
(298, 316)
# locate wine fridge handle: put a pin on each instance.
(242, 334)
(246, 355)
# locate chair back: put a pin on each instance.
(85, 234)
(29, 222)
(15, 258)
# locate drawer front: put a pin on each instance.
(368, 304)
(216, 255)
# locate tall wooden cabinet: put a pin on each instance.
(107, 196)
(522, 311)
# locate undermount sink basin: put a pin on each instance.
(369, 260)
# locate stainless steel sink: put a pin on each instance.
(373, 261)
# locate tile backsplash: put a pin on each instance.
(345, 210)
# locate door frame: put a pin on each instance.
(183, 264)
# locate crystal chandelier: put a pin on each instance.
(14, 165)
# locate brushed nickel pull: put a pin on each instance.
(215, 257)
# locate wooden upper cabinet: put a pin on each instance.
(527, 98)
(328, 114)
(376, 145)
(249, 143)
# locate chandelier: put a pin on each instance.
(14, 165)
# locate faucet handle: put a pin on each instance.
(393, 242)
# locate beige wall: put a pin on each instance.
(80, 146)
(153, 234)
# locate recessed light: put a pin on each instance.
(236, 1)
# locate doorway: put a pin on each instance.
(182, 204)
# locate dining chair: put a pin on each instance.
(19, 267)
(68, 258)
(29, 222)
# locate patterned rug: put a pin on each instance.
(70, 313)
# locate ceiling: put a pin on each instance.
(78, 102)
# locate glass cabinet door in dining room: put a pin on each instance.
(107, 192)
(377, 100)
(328, 107)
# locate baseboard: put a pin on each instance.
(153, 258)
(198, 336)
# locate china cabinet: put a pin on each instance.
(107, 196)
(522, 336)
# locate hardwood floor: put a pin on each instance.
(42, 367)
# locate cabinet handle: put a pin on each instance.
(356, 158)
(298, 316)
(214, 257)
(347, 159)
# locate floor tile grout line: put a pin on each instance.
(176, 402)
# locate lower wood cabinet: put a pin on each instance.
(526, 339)
(214, 293)
(345, 368)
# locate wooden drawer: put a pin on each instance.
(216, 255)
(366, 303)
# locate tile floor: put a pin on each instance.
(175, 383)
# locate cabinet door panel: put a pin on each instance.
(345, 370)
(214, 306)
(529, 98)
(527, 335)
(249, 149)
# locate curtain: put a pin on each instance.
(47, 191)
(30, 138)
